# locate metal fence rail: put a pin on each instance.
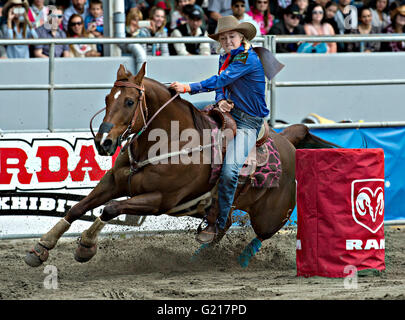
(268, 41)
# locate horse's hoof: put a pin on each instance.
(84, 253)
(37, 256)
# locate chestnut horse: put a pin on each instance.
(134, 108)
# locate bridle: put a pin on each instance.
(141, 98)
(146, 122)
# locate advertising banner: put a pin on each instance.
(42, 175)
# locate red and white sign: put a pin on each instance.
(43, 175)
(340, 210)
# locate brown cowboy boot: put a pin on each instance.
(208, 234)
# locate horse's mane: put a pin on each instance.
(200, 121)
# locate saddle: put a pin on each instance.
(224, 121)
(262, 167)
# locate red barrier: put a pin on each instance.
(340, 209)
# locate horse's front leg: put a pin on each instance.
(106, 190)
(144, 204)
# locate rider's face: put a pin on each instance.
(230, 40)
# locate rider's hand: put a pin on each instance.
(179, 87)
(225, 106)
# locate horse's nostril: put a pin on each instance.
(107, 143)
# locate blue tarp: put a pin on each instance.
(392, 141)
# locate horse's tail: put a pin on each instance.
(301, 138)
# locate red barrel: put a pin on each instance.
(340, 211)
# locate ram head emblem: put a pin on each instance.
(370, 202)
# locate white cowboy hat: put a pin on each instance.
(230, 23)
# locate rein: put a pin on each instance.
(127, 133)
(141, 98)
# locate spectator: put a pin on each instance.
(192, 28)
(364, 27)
(260, 12)
(303, 5)
(166, 6)
(289, 25)
(131, 22)
(277, 8)
(76, 30)
(397, 26)
(239, 12)
(217, 9)
(51, 31)
(37, 13)
(316, 26)
(284, 3)
(343, 12)
(379, 14)
(331, 8)
(78, 7)
(94, 21)
(323, 2)
(129, 4)
(17, 27)
(142, 5)
(3, 52)
(156, 29)
(177, 17)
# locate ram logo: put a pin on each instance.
(368, 203)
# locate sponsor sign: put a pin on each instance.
(45, 174)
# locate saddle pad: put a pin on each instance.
(267, 171)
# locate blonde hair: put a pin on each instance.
(246, 43)
(134, 13)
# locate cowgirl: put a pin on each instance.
(241, 79)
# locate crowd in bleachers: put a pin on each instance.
(21, 19)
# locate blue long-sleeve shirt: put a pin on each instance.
(243, 82)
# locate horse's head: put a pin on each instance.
(125, 110)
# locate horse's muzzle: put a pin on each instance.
(105, 146)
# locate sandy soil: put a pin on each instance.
(160, 267)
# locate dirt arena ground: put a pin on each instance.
(159, 267)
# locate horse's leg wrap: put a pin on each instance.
(89, 236)
(203, 247)
(249, 252)
(49, 239)
(87, 247)
(39, 254)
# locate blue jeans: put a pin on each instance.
(248, 128)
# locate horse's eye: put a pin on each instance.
(130, 103)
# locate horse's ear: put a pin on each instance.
(122, 73)
(139, 77)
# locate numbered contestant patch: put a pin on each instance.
(242, 57)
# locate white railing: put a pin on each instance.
(268, 42)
